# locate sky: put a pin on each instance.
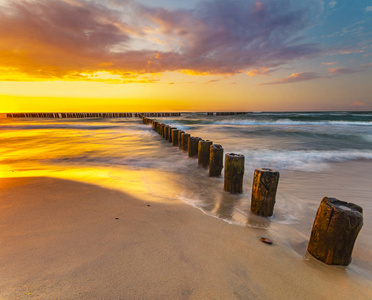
(163, 55)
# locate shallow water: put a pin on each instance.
(317, 155)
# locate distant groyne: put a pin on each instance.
(65, 115)
(88, 115)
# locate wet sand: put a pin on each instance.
(62, 239)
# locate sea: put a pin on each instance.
(318, 154)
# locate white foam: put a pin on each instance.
(302, 160)
(283, 122)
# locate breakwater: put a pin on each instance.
(64, 115)
(336, 225)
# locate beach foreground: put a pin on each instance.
(62, 239)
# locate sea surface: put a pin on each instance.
(317, 155)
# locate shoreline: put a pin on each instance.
(61, 239)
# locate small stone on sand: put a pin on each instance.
(266, 241)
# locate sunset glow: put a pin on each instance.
(86, 55)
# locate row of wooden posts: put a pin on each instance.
(336, 225)
(89, 115)
(211, 156)
(226, 113)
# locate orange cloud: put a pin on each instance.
(258, 71)
(330, 63)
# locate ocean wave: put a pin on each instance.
(246, 122)
(301, 160)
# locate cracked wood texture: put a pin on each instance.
(215, 160)
(336, 227)
(265, 183)
(234, 172)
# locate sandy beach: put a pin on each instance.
(62, 239)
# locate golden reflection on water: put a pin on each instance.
(154, 186)
(40, 152)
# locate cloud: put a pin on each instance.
(305, 76)
(212, 81)
(58, 39)
(368, 9)
(295, 77)
(350, 51)
(259, 71)
(357, 104)
(341, 71)
(330, 63)
(332, 3)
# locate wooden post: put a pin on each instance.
(180, 139)
(185, 141)
(157, 128)
(215, 160)
(170, 133)
(265, 183)
(234, 172)
(204, 152)
(166, 132)
(175, 137)
(162, 133)
(193, 146)
(336, 227)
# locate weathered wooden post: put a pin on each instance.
(215, 160)
(155, 125)
(204, 152)
(234, 172)
(170, 134)
(180, 139)
(265, 183)
(336, 227)
(185, 141)
(175, 137)
(161, 129)
(193, 146)
(166, 132)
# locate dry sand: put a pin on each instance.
(60, 239)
